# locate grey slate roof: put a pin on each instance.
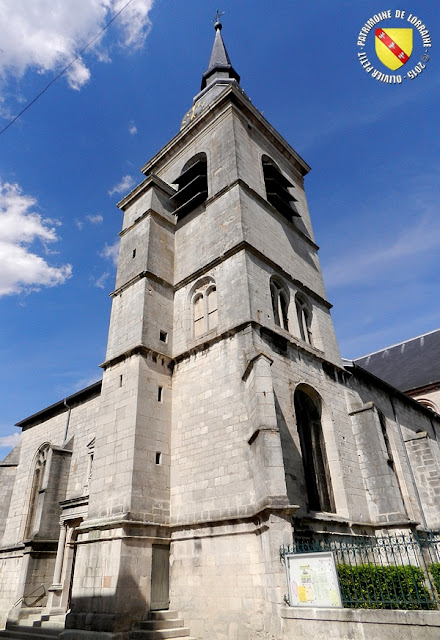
(409, 365)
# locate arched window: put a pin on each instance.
(37, 486)
(316, 471)
(277, 189)
(304, 315)
(427, 403)
(280, 304)
(205, 308)
(211, 300)
(193, 185)
(199, 315)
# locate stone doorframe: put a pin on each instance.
(74, 512)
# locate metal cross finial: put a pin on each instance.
(218, 15)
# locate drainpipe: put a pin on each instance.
(419, 502)
(67, 420)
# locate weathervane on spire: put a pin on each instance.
(216, 20)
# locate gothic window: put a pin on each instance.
(316, 470)
(205, 309)
(277, 189)
(304, 315)
(192, 185)
(280, 304)
(37, 487)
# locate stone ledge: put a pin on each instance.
(363, 616)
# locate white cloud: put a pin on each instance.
(95, 219)
(78, 75)
(125, 184)
(9, 441)
(111, 252)
(20, 268)
(92, 219)
(132, 128)
(391, 260)
(45, 35)
(77, 382)
(85, 382)
(100, 282)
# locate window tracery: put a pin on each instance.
(280, 304)
(205, 308)
(313, 452)
(304, 316)
(37, 487)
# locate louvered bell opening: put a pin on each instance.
(193, 188)
(277, 191)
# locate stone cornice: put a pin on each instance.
(138, 349)
(246, 246)
(150, 181)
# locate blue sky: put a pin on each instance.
(373, 191)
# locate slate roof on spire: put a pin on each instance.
(219, 63)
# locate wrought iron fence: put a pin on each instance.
(399, 571)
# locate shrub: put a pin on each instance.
(368, 586)
(434, 570)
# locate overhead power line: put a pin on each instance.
(66, 68)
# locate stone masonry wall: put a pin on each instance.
(404, 420)
(210, 472)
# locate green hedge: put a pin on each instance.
(368, 586)
(434, 570)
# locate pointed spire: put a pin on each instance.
(219, 64)
(219, 75)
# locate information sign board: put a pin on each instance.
(312, 580)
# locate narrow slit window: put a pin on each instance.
(134, 253)
(90, 466)
(158, 457)
(160, 394)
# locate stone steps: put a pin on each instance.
(43, 627)
(22, 632)
(161, 625)
(152, 625)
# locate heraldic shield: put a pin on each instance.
(394, 46)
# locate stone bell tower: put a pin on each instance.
(219, 310)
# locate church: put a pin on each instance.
(154, 503)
